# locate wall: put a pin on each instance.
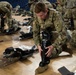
(22, 3)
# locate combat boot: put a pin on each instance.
(66, 49)
(41, 69)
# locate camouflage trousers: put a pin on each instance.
(56, 52)
(8, 22)
(73, 38)
(6, 12)
(58, 49)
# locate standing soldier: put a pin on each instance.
(5, 12)
(70, 20)
(61, 6)
(48, 20)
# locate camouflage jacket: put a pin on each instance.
(70, 14)
(54, 22)
(5, 4)
(61, 6)
(61, 2)
(5, 8)
(70, 18)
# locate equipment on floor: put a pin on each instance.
(64, 71)
(26, 22)
(11, 52)
(11, 55)
(12, 30)
(27, 35)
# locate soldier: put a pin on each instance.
(5, 11)
(61, 6)
(49, 20)
(32, 6)
(17, 8)
(70, 20)
(33, 2)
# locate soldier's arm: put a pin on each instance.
(8, 12)
(36, 32)
(59, 26)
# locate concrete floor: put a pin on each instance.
(28, 66)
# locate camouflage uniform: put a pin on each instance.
(61, 6)
(70, 19)
(5, 9)
(30, 1)
(49, 5)
(62, 2)
(54, 22)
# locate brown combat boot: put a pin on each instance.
(66, 49)
(41, 69)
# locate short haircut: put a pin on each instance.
(40, 7)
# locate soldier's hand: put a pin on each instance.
(50, 48)
(39, 49)
(4, 16)
(6, 26)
